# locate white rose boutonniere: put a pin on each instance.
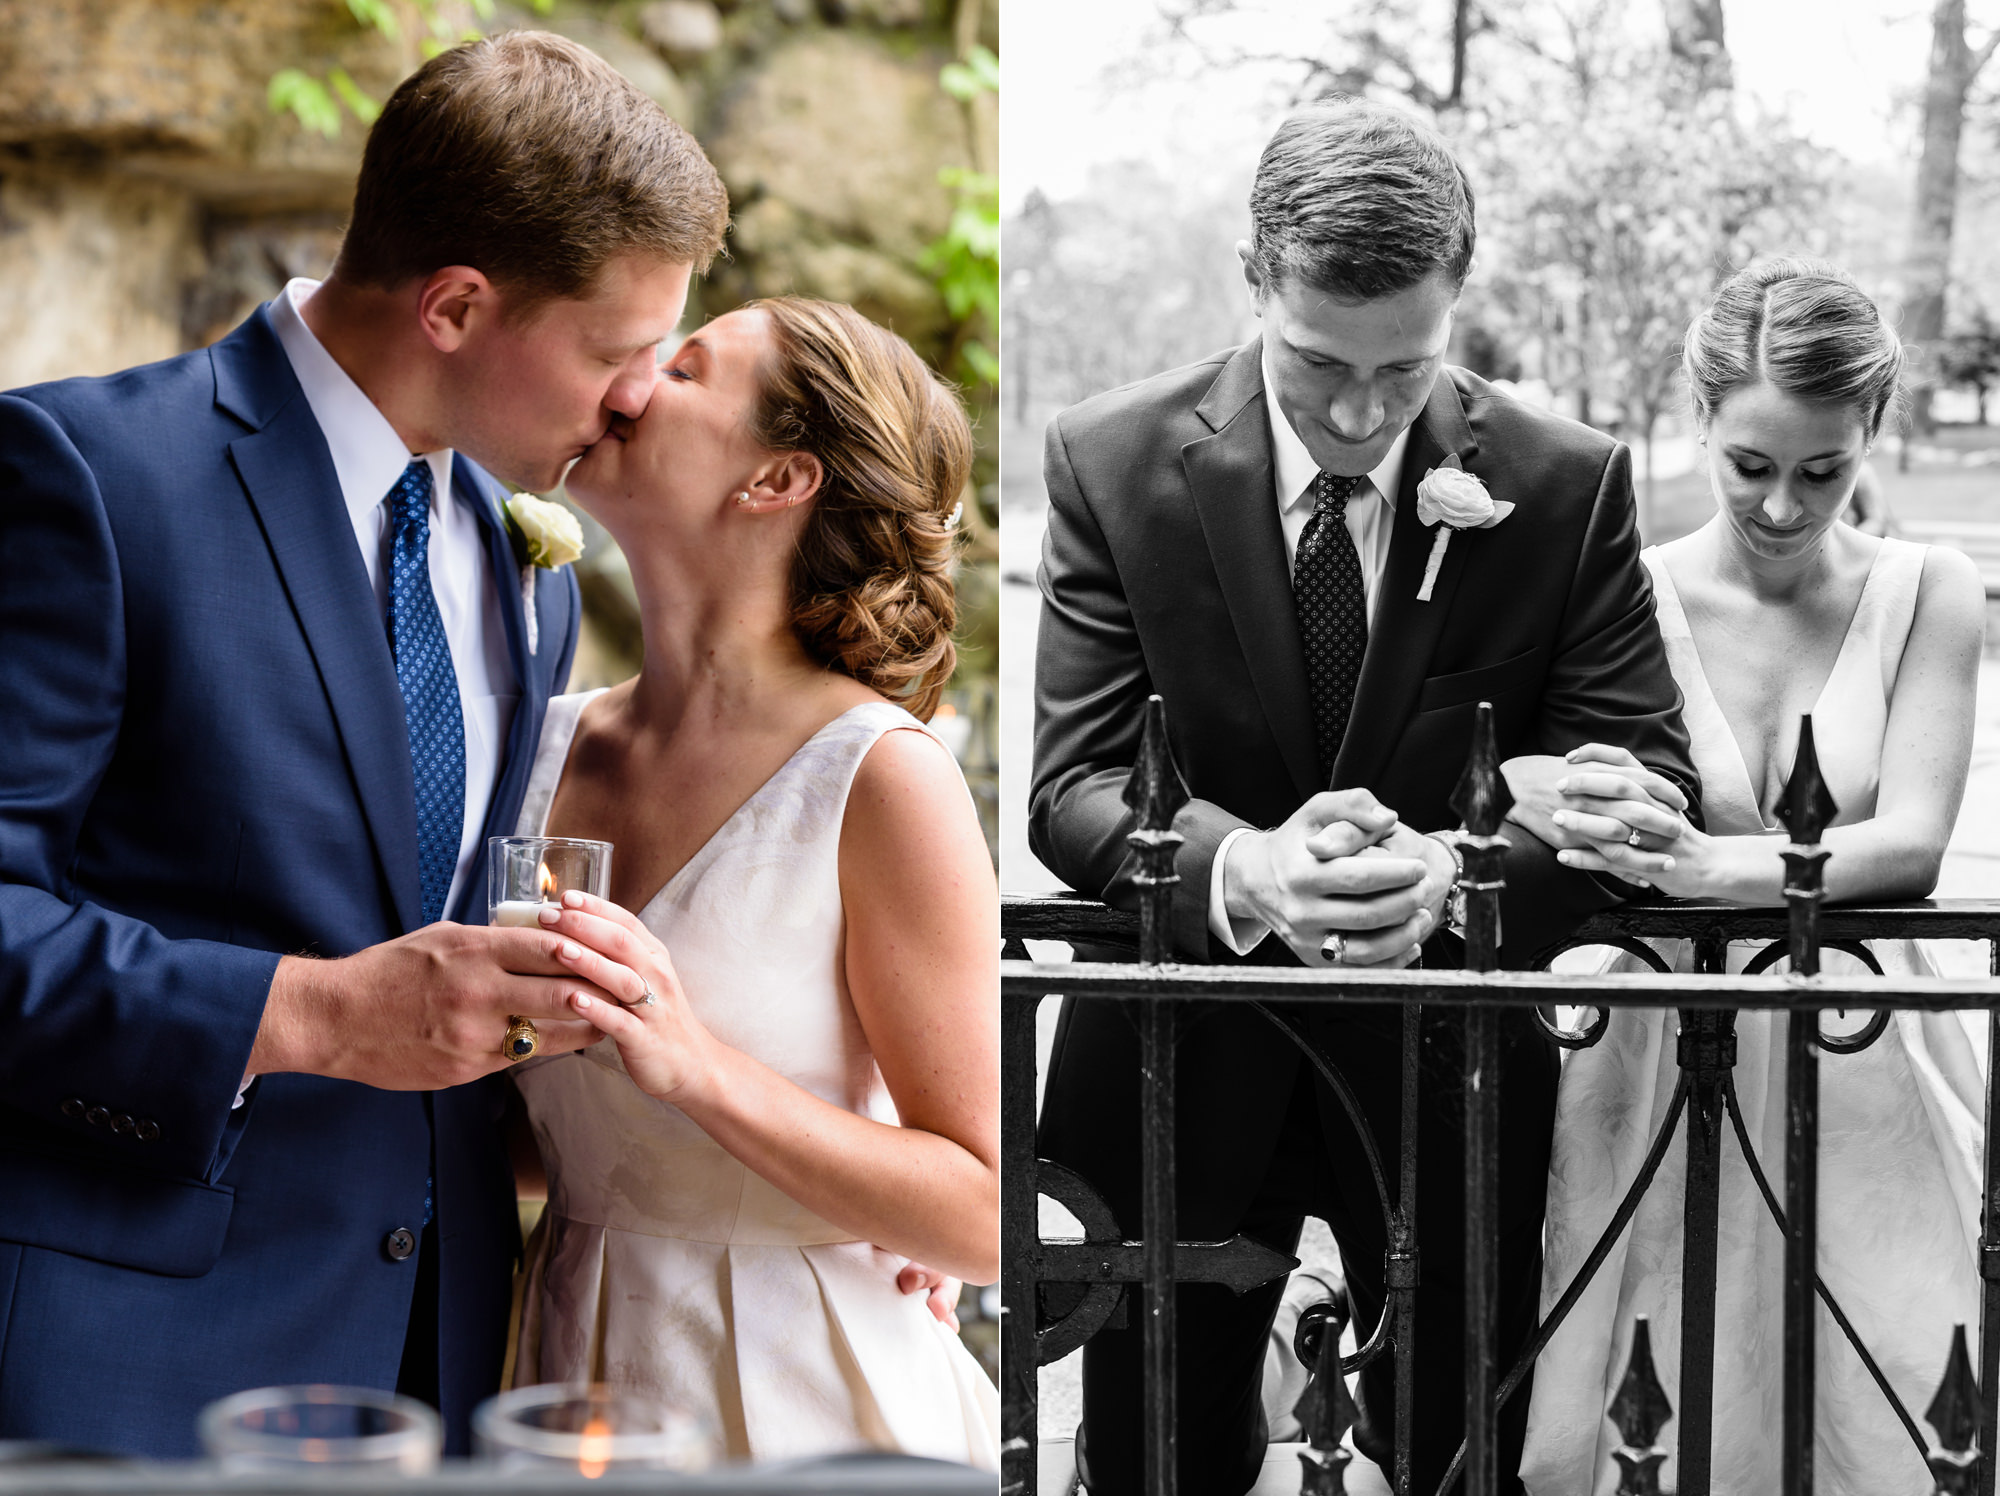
(1453, 499)
(545, 535)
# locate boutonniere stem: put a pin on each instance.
(1453, 499)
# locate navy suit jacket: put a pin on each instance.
(204, 765)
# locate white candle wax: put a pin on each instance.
(520, 914)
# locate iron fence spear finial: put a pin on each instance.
(1155, 793)
(1954, 1413)
(1482, 800)
(1806, 809)
(1326, 1412)
(1640, 1411)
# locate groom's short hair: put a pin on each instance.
(1360, 201)
(534, 161)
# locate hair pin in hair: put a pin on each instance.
(957, 512)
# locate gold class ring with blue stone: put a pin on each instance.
(522, 1040)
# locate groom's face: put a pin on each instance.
(542, 387)
(1351, 375)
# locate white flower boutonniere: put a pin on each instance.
(1452, 499)
(545, 535)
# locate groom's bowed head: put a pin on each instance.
(1361, 235)
(525, 225)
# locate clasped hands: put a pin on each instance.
(1344, 865)
(1605, 812)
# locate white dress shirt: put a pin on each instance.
(368, 458)
(1371, 517)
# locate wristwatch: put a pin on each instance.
(1454, 903)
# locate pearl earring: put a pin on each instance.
(742, 499)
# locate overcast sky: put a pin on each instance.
(1839, 77)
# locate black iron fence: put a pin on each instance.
(1108, 1268)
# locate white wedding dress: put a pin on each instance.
(1899, 1162)
(665, 1266)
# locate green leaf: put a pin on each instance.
(365, 108)
(980, 359)
(307, 98)
(377, 13)
(979, 73)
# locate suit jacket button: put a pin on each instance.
(97, 1116)
(149, 1130)
(399, 1244)
(123, 1122)
(73, 1108)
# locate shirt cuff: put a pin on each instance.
(1241, 936)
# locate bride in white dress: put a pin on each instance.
(811, 1097)
(1774, 609)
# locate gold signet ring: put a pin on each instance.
(522, 1040)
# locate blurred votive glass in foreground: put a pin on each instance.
(589, 1429)
(353, 1429)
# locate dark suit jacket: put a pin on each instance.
(1164, 571)
(203, 765)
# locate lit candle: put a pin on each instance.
(526, 914)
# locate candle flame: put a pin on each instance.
(548, 884)
(593, 1448)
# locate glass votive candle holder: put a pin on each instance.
(346, 1428)
(588, 1429)
(525, 872)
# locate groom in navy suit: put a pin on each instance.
(267, 683)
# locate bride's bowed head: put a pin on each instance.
(1791, 371)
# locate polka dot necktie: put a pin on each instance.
(1333, 613)
(431, 708)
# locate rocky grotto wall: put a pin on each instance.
(150, 198)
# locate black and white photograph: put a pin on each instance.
(1499, 744)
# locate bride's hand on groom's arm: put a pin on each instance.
(427, 1010)
(1596, 795)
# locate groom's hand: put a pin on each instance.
(1341, 864)
(421, 1012)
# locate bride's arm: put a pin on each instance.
(1926, 749)
(921, 954)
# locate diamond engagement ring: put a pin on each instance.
(1334, 948)
(645, 999)
(1632, 840)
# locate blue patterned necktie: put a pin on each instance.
(431, 708)
(1333, 613)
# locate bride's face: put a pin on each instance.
(691, 448)
(1782, 469)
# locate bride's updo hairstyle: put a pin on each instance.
(1803, 326)
(871, 583)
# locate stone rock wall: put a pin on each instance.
(149, 197)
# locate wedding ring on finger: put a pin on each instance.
(1334, 949)
(522, 1039)
(645, 999)
(1632, 840)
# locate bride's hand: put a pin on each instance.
(1595, 794)
(666, 1049)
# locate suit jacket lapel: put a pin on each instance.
(1229, 476)
(478, 492)
(1403, 634)
(288, 474)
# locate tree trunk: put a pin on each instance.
(1461, 36)
(1927, 272)
(1694, 35)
